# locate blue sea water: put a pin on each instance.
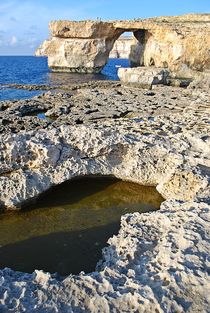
(30, 70)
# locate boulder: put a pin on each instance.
(144, 76)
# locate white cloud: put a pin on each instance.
(13, 41)
(34, 17)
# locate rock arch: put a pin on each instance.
(174, 42)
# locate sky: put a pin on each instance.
(24, 23)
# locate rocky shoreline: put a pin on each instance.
(159, 261)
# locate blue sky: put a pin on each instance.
(24, 23)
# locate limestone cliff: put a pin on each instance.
(179, 43)
(42, 50)
(122, 47)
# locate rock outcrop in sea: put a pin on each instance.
(180, 44)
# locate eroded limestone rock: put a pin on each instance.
(81, 47)
(75, 144)
(180, 44)
(122, 47)
(144, 76)
(83, 29)
(159, 260)
(42, 49)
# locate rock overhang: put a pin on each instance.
(87, 29)
(105, 150)
(158, 261)
(178, 43)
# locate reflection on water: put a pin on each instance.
(70, 225)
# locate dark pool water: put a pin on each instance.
(30, 70)
(65, 230)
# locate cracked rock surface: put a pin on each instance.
(159, 261)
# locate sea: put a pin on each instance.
(30, 70)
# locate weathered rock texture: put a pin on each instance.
(159, 261)
(178, 43)
(58, 149)
(42, 50)
(144, 76)
(122, 48)
(80, 46)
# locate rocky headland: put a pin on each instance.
(180, 44)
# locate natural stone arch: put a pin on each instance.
(131, 48)
(136, 56)
(138, 47)
(174, 42)
(88, 51)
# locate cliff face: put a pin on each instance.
(79, 46)
(122, 47)
(180, 44)
(42, 50)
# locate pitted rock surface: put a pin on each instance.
(159, 261)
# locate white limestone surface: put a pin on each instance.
(159, 261)
(143, 76)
